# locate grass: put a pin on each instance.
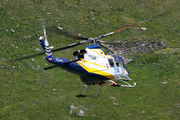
(28, 92)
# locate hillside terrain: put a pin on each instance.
(29, 92)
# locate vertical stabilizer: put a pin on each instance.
(45, 46)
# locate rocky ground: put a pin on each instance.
(128, 48)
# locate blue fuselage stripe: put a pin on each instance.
(74, 67)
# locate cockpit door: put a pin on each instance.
(111, 63)
(116, 68)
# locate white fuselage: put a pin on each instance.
(95, 61)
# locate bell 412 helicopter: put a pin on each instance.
(92, 64)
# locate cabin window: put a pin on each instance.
(111, 63)
(119, 61)
(117, 64)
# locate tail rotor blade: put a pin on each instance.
(44, 30)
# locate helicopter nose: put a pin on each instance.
(126, 73)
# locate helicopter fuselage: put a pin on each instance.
(94, 67)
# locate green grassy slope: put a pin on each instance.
(28, 92)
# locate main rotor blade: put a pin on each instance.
(68, 34)
(28, 56)
(41, 53)
(60, 30)
(69, 46)
(116, 31)
(50, 67)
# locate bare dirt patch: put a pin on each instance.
(127, 48)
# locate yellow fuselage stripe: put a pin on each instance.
(96, 71)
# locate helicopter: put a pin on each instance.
(92, 64)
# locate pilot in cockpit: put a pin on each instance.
(82, 52)
(76, 54)
(79, 54)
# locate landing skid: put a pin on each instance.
(114, 84)
(128, 85)
(117, 85)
